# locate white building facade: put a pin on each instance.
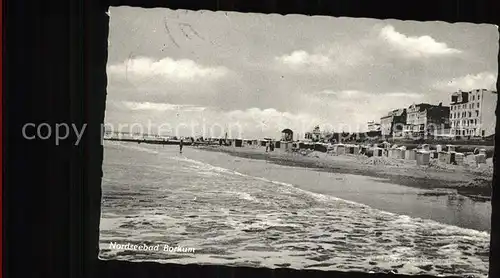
(472, 113)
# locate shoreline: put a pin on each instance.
(469, 182)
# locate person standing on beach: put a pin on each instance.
(180, 145)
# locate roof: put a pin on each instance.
(465, 97)
(399, 112)
(424, 106)
(421, 106)
(286, 130)
(439, 108)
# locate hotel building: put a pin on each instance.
(427, 119)
(392, 124)
(473, 113)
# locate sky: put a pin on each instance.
(203, 73)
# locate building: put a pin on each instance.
(472, 113)
(436, 120)
(413, 122)
(308, 136)
(393, 123)
(427, 119)
(373, 126)
(315, 135)
(287, 135)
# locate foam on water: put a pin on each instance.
(235, 218)
(410, 222)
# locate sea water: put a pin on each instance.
(152, 195)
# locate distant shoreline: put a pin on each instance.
(472, 183)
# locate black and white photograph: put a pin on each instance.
(294, 141)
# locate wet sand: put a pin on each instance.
(466, 180)
(153, 195)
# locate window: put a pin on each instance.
(478, 105)
(472, 97)
(478, 98)
(472, 105)
(477, 113)
(470, 114)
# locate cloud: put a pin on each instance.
(272, 120)
(166, 68)
(190, 120)
(403, 95)
(325, 59)
(352, 109)
(150, 106)
(483, 80)
(301, 58)
(356, 95)
(267, 115)
(423, 46)
(283, 69)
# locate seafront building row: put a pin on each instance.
(470, 114)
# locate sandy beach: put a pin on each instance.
(469, 180)
(252, 212)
